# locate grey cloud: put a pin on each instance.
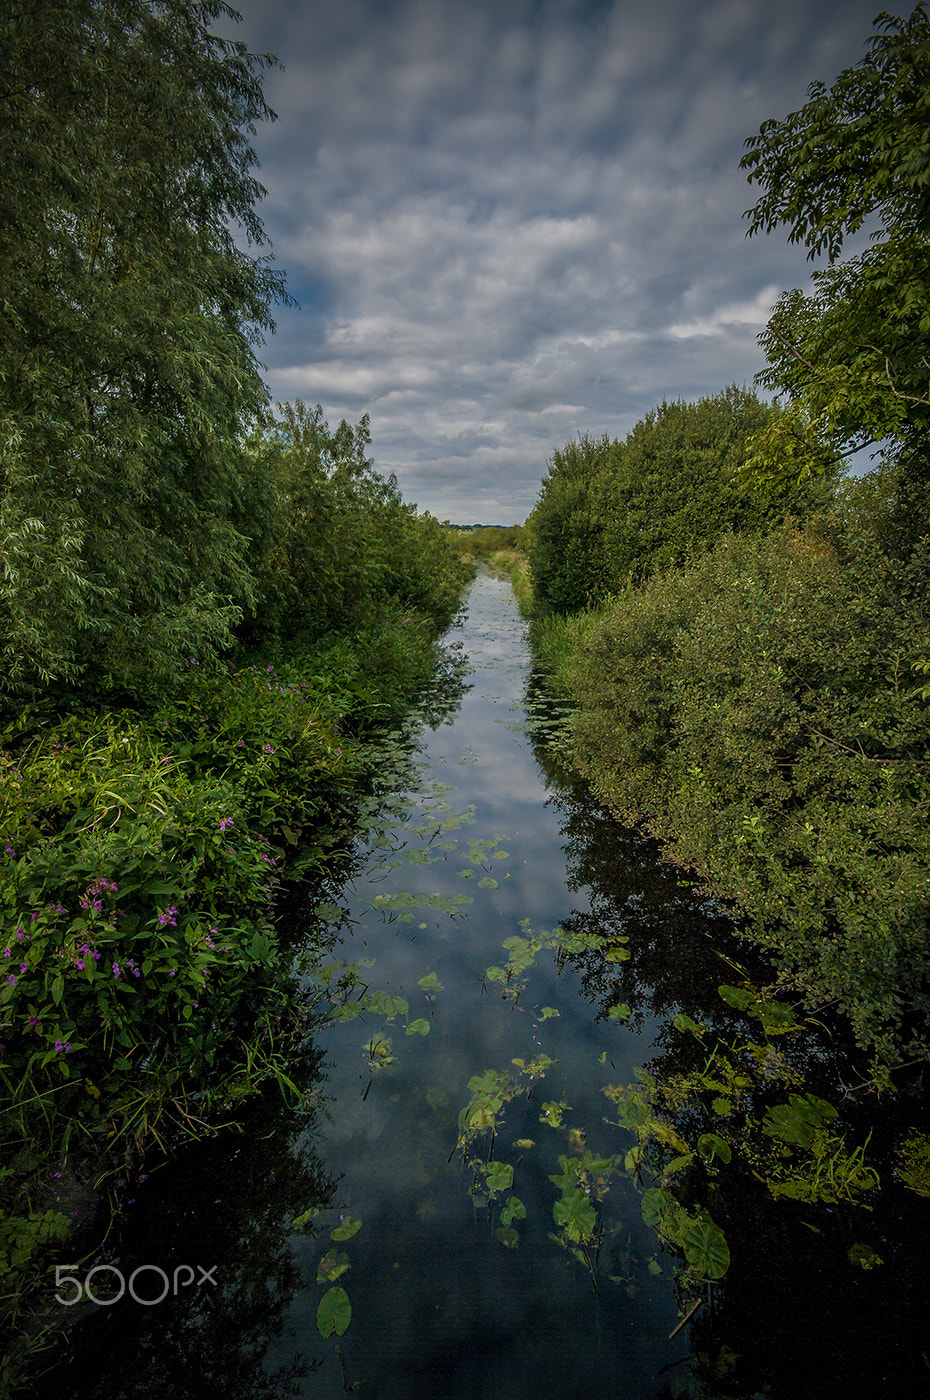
(517, 220)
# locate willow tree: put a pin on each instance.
(133, 297)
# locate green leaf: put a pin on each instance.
(737, 996)
(332, 1266)
(575, 1214)
(58, 989)
(334, 1313)
(711, 1145)
(658, 1209)
(797, 1121)
(346, 1229)
(513, 1210)
(706, 1249)
(431, 983)
(418, 1027)
(499, 1177)
(327, 912)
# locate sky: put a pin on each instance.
(509, 222)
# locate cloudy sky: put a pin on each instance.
(511, 221)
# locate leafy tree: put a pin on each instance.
(610, 512)
(334, 546)
(674, 489)
(564, 529)
(131, 315)
(853, 357)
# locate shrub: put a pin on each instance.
(759, 711)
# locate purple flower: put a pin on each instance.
(115, 971)
(170, 917)
(226, 823)
(9, 850)
(269, 749)
(12, 980)
(62, 1046)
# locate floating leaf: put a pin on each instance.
(546, 1013)
(346, 1229)
(576, 1215)
(737, 996)
(777, 1017)
(685, 1023)
(487, 883)
(706, 1249)
(334, 1313)
(798, 1120)
(418, 1027)
(711, 1145)
(620, 1013)
(431, 983)
(327, 912)
(332, 1266)
(384, 1005)
(348, 1011)
(513, 1210)
(499, 1176)
(658, 1209)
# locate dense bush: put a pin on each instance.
(333, 544)
(144, 988)
(760, 711)
(610, 512)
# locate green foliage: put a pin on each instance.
(484, 541)
(127, 367)
(914, 1163)
(565, 528)
(334, 547)
(143, 992)
(610, 513)
(759, 710)
(334, 1312)
(852, 357)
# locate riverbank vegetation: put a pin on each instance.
(745, 632)
(209, 612)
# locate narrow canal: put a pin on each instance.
(461, 1079)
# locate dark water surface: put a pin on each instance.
(442, 1308)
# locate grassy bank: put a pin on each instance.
(145, 989)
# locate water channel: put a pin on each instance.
(447, 1299)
